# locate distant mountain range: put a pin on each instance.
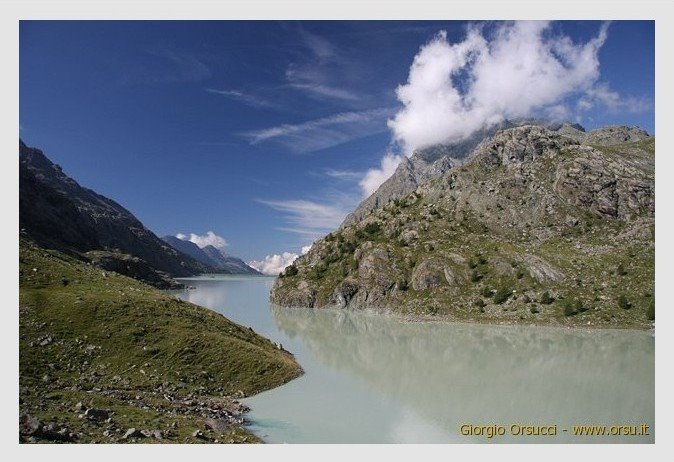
(211, 256)
(57, 213)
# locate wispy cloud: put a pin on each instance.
(245, 98)
(306, 217)
(343, 174)
(322, 90)
(325, 132)
(314, 73)
(602, 95)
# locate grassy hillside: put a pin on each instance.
(101, 354)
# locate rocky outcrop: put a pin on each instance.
(533, 218)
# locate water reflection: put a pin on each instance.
(453, 374)
(375, 379)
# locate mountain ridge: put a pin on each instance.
(58, 213)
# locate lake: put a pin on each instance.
(374, 379)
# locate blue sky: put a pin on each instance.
(267, 133)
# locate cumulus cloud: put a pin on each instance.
(210, 238)
(455, 89)
(273, 264)
(376, 176)
(515, 70)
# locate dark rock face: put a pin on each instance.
(56, 212)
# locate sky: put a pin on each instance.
(260, 136)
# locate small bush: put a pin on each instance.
(534, 310)
(480, 304)
(621, 270)
(526, 299)
(569, 308)
(520, 274)
(623, 302)
(475, 276)
(402, 284)
(290, 271)
(372, 228)
(486, 292)
(546, 298)
(502, 294)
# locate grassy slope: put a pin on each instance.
(114, 343)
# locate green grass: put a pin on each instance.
(109, 332)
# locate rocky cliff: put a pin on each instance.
(57, 213)
(539, 225)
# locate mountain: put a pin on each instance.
(57, 213)
(211, 256)
(537, 224)
(431, 162)
(189, 248)
(227, 263)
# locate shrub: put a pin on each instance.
(372, 228)
(502, 294)
(486, 292)
(402, 284)
(580, 307)
(520, 274)
(475, 276)
(480, 304)
(290, 271)
(546, 298)
(621, 270)
(569, 308)
(534, 310)
(623, 302)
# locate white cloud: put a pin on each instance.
(210, 238)
(274, 264)
(324, 132)
(236, 95)
(343, 174)
(376, 176)
(601, 94)
(455, 89)
(320, 90)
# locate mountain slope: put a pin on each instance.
(227, 263)
(57, 213)
(101, 353)
(189, 248)
(536, 227)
